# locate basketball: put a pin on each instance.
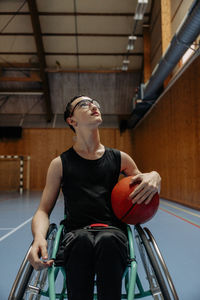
(125, 210)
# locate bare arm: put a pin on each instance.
(150, 183)
(40, 222)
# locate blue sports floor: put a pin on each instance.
(175, 228)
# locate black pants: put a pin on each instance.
(88, 252)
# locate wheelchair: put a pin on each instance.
(35, 285)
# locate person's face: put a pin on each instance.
(85, 111)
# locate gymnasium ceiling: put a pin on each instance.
(40, 37)
(81, 34)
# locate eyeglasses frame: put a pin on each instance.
(84, 100)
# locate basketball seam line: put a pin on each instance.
(128, 211)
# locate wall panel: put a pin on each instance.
(45, 144)
(168, 139)
(9, 174)
(156, 35)
(179, 9)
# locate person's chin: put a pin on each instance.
(98, 118)
(98, 121)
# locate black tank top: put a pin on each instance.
(87, 186)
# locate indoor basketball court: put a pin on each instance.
(135, 65)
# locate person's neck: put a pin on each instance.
(88, 142)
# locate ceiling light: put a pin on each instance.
(125, 67)
(130, 47)
(126, 61)
(140, 9)
(132, 37)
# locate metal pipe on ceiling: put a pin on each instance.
(184, 37)
(180, 43)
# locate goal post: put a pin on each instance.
(15, 172)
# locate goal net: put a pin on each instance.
(14, 173)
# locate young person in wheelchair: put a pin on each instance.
(95, 241)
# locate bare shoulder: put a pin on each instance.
(125, 156)
(128, 166)
(56, 166)
(126, 159)
(56, 162)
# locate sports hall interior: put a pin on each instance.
(145, 73)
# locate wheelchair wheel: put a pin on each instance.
(162, 263)
(29, 283)
(157, 281)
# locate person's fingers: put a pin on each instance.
(144, 194)
(144, 197)
(141, 185)
(44, 264)
(150, 197)
(136, 179)
(136, 195)
(34, 259)
(49, 263)
(44, 253)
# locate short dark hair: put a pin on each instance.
(68, 109)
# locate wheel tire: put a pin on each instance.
(27, 272)
(153, 262)
(162, 263)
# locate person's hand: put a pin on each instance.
(149, 185)
(39, 249)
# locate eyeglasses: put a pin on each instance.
(85, 104)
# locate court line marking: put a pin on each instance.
(15, 229)
(181, 209)
(181, 218)
(6, 228)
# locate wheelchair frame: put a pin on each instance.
(32, 285)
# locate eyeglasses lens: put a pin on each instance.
(85, 104)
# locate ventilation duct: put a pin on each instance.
(185, 36)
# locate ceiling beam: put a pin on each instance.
(147, 53)
(166, 30)
(41, 55)
(75, 54)
(94, 54)
(18, 66)
(166, 24)
(34, 77)
(95, 14)
(10, 92)
(71, 34)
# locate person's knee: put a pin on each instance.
(107, 241)
(111, 246)
(81, 249)
(84, 239)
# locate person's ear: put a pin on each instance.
(71, 121)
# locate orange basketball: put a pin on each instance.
(125, 210)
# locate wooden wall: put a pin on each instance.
(45, 144)
(155, 36)
(10, 167)
(168, 139)
(179, 9)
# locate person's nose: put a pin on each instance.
(93, 106)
